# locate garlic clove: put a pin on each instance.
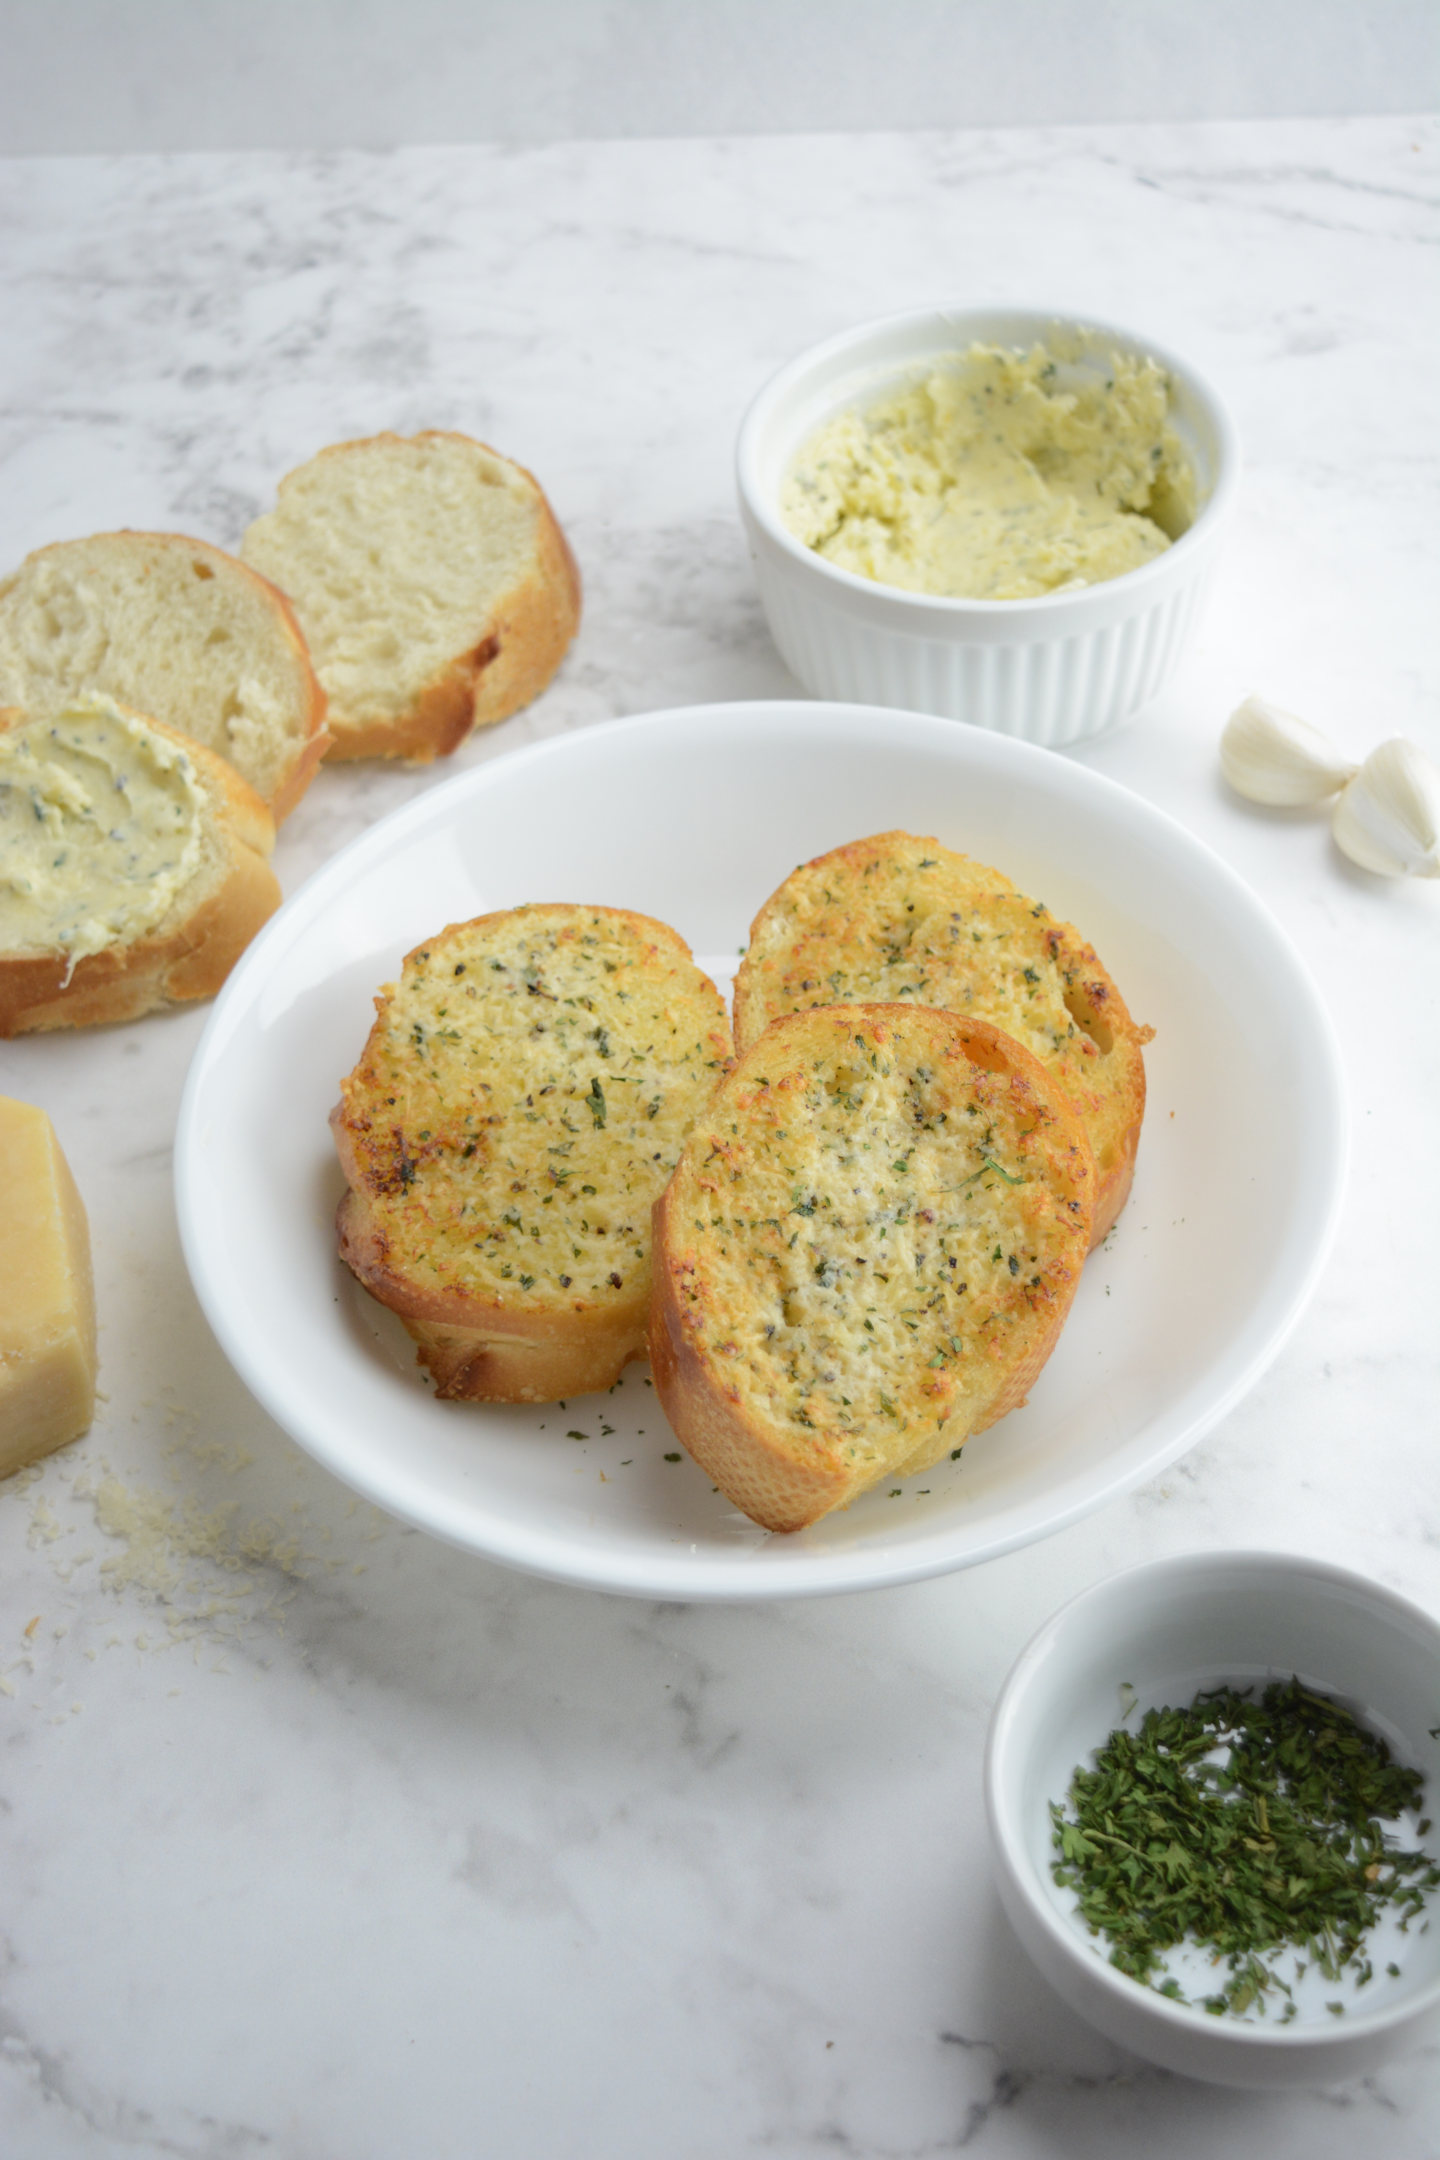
(1273, 757)
(1388, 819)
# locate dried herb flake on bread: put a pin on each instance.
(896, 917)
(866, 1254)
(520, 1104)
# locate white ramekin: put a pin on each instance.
(1167, 1630)
(1050, 670)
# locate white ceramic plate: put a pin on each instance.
(695, 816)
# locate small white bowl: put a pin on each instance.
(1170, 1629)
(1052, 669)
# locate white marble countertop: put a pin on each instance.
(323, 1840)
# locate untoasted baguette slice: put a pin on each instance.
(176, 629)
(898, 917)
(134, 867)
(866, 1254)
(520, 1103)
(432, 581)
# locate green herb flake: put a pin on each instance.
(1245, 1827)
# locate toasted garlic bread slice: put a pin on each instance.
(134, 867)
(174, 628)
(866, 1254)
(436, 589)
(521, 1101)
(896, 917)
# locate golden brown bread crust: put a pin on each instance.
(787, 1409)
(171, 967)
(764, 1480)
(503, 1148)
(311, 750)
(509, 665)
(436, 724)
(899, 915)
(478, 1351)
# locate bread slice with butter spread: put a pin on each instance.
(898, 917)
(174, 628)
(521, 1102)
(866, 1254)
(134, 867)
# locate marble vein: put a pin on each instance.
(323, 1840)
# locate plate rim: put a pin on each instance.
(744, 1575)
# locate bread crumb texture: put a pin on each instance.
(521, 1102)
(179, 631)
(866, 1254)
(896, 918)
(434, 587)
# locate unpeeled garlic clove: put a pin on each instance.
(1388, 819)
(1273, 757)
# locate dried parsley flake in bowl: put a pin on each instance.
(1242, 1890)
(1249, 1827)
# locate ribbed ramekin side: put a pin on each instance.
(1043, 688)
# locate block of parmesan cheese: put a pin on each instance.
(47, 1295)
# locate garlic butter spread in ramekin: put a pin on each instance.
(100, 829)
(997, 475)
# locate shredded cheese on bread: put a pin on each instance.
(866, 1253)
(520, 1104)
(896, 917)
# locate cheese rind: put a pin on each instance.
(47, 1293)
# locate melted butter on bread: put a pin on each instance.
(100, 828)
(866, 1253)
(896, 917)
(522, 1099)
